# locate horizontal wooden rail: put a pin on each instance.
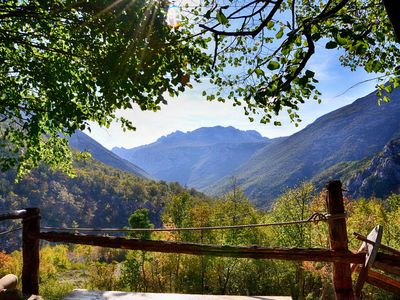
(389, 259)
(294, 254)
(15, 214)
(384, 282)
(386, 268)
(381, 246)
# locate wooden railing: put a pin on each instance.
(338, 253)
(30, 246)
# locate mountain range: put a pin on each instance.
(198, 158)
(208, 158)
(350, 133)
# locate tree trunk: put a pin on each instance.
(143, 271)
(392, 8)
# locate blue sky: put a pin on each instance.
(190, 110)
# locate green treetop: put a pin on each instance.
(140, 219)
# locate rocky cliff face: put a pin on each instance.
(381, 176)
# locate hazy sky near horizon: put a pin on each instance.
(190, 110)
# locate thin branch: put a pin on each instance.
(361, 82)
(252, 14)
(310, 52)
(215, 51)
(293, 14)
(252, 33)
(242, 8)
(328, 13)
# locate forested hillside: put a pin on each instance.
(99, 196)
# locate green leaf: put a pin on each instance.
(259, 72)
(389, 88)
(331, 45)
(279, 34)
(221, 18)
(207, 15)
(273, 65)
(341, 40)
(376, 66)
(310, 73)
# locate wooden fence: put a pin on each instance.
(338, 254)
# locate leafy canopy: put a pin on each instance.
(65, 63)
(262, 47)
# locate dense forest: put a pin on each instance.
(98, 196)
(64, 267)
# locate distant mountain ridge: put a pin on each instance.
(82, 142)
(350, 133)
(207, 136)
(197, 158)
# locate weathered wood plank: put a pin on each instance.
(295, 254)
(372, 249)
(338, 241)
(108, 295)
(15, 214)
(382, 246)
(30, 251)
(393, 260)
(383, 282)
(386, 268)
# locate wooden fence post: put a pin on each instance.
(30, 251)
(338, 240)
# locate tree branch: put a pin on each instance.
(310, 52)
(252, 33)
(327, 13)
(215, 50)
(22, 41)
(252, 14)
